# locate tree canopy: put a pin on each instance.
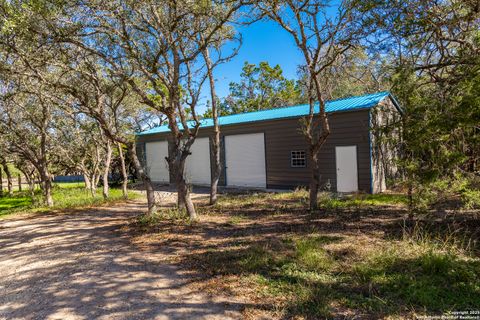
(262, 87)
(110, 68)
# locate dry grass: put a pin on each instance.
(355, 256)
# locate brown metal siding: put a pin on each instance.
(284, 135)
(347, 129)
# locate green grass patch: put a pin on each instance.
(332, 201)
(9, 205)
(264, 200)
(336, 271)
(164, 214)
(423, 276)
(294, 270)
(65, 195)
(343, 201)
(302, 276)
(471, 199)
(283, 202)
(69, 185)
(309, 279)
(70, 195)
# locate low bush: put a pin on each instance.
(305, 277)
(471, 199)
(426, 195)
(420, 276)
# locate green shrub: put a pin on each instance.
(427, 194)
(471, 199)
(421, 276)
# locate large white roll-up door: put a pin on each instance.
(245, 160)
(157, 166)
(197, 166)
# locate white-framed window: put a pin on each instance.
(298, 159)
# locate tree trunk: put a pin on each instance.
(46, 186)
(147, 183)
(314, 181)
(9, 183)
(93, 185)
(9, 177)
(184, 200)
(38, 182)
(316, 140)
(106, 170)
(217, 166)
(123, 170)
(1, 183)
(87, 181)
(97, 178)
(43, 160)
(176, 166)
(48, 192)
(31, 185)
(30, 178)
(19, 182)
(411, 204)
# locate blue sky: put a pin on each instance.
(262, 41)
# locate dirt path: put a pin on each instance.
(83, 266)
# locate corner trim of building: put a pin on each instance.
(370, 149)
(224, 162)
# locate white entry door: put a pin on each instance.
(347, 176)
(197, 166)
(245, 160)
(157, 166)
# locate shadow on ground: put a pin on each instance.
(237, 241)
(83, 266)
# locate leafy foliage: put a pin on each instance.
(433, 51)
(261, 87)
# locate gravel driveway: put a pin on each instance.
(83, 266)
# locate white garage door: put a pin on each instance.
(157, 166)
(245, 160)
(197, 166)
(347, 176)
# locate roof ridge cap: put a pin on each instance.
(305, 104)
(263, 110)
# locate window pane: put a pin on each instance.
(298, 158)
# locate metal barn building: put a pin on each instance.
(266, 149)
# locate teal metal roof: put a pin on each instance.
(345, 104)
